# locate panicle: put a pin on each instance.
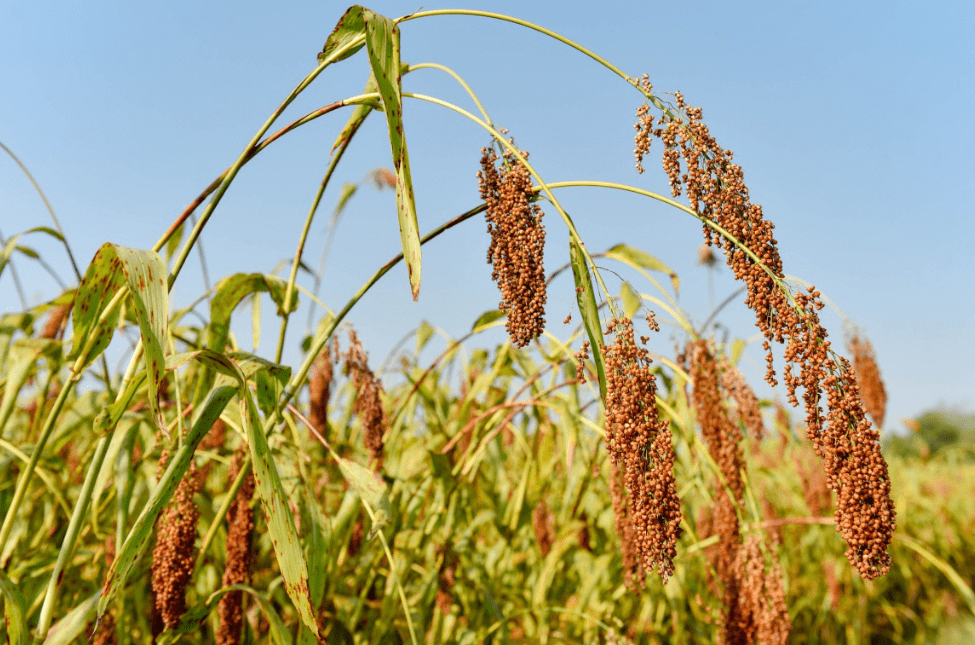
(517, 248)
(55, 321)
(872, 389)
(172, 558)
(641, 450)
(764, 614)
(723, 438)
(368, 398)
(842, 437)
(240, 532)
(749, 413)
(319, 386)
(543, 520)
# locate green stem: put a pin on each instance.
(456, 77)
(551, 34)
(70, 538)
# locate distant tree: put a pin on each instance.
(933, 432)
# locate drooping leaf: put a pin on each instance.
(348, 190)
(423, 334)
(586, 297)
(103, 279)
(24, 354)
(11, 245)
(347, 38)
(138, 539)
(371, 489)
(280, 522)
(229, 293)
(382, 42)
(144, 273)
(642, 260)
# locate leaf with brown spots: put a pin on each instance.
(382, 42)
(280, 522)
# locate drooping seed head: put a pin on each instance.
(517, 248)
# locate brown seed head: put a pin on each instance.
(517, 247)
(872, 389)
(368, 398)
(543, 521)
(842, 437)
(639, 445)
(763, 615)
(55, 321)
(172, 558)
(240, 531)
(319, 385)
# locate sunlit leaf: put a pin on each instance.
(382, 42)
(73, 625)
(631, 300)
(371, 488)
(280, 522)
(586, 297)
(144, 273)
(192, 619)
(643, 260)
(347, 38)
(486, 319)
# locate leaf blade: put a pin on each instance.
(383, 45)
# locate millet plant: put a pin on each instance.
(532, 505)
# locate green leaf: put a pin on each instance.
(371, 488)
(137, 542)
(280, 522)
(486, 319)
(631, 300)
(172, 244)
(348, 190)
(586, 298)
(11, 244)
(423, 334)
(347, 38)
(145, 275)
(70, 627)
(103, 279)
(382, 42)
(13, 612)
(149, 289)
(642, 260)
(229, 293)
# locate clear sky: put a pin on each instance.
(852, 121)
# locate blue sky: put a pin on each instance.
(851, 121)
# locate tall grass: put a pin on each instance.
(521, 493)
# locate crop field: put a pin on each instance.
(581, 481)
